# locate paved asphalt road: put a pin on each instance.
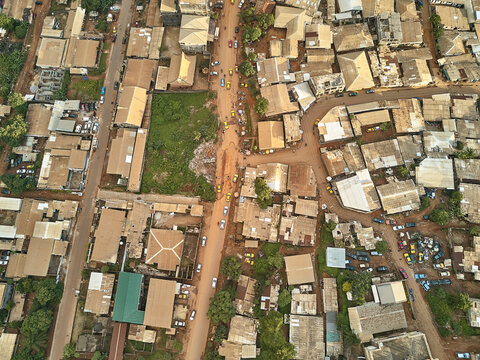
(66, 311)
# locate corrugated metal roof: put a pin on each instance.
(127, 299)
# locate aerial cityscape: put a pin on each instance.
(239, 179)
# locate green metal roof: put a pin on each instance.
(127, 299)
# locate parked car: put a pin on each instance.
(363, 258)
(237, 29)
(420, 257)
(412, 248)
(222, 82)
(434, 282)
(444, 282)
(204, 240)
(350, 255)
(404, 273)
(375, 253)
(102, 99)
(379, 220)
(400, 244)
(421, 276)
(371, 91)
(213, 73)
(444, 273)
(390, 221)
(398, 227)
(410, 224)
(350, 267)
(124, 40)
(439, 266)
(192, 315)
(229, 195)
(352, 93)
(426, 217)
(214, 282)
(222, 224)
(225, 211)
(438, 255)
(103, 90)
(410, 291)
(382, 268)
(115, 85)
(235, 178)
(408, 258)
(6, 191)
(339, 94)
(235, 44)
(215, 63)
(179, 323)
(3, 262)
(464, 355)
(425, 285)
(230, 43)
(363, 253)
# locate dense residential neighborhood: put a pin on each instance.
(239, 179)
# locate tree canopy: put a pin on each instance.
(360, 286)
(251, 33)
(437, 26)
(246, 68)
(16, 184)
(36, 323)
(456, 196)
(284, 298)
(49, 292)
(272, 341)
(70, 352)
(265, 20)
(15, 99)
(97, 5)
(382, 246)
(13, 132)
(221, 308)
(21, 30)
(440, 216)
(261, 107)
(264, 194)
(231, 268)
(6, 22)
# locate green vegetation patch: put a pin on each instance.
(88, 89)
(179, 124)
(11, 64)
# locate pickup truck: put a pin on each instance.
(410, 224)
(378, 220)
(444, 282)
(420, 276)
(362, 253)
(438, 255)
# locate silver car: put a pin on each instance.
(225, 211)
(222, 224)
(204, 241)
(199, 267)
(214, 283)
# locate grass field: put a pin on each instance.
(179, 123)
(88, 89)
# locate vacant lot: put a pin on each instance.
(179, 123)
(86, 90)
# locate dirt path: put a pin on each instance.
(227, 165)
(26, 76)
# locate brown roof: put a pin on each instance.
(134, 227)
(58, 178)
(99, 293)
(139, 72)
(51, 52)
(81, 53)
(131, 106)
(399, 196)
(107, 236)
(409, 117)
(15, 266)
(334, 162)
(382, 154)
(158, 314)
(270, 135)
(165, 248)
(60, 247)
(29, 214)
(278, 100)
(301, 180)
(38, 257)
(258, 223)
(77, 159)
(121, 153)
(58, 141)
(161, 82)
(299, 269)
(38, 117)
(297, 230)
(136, 170)
(182, 70)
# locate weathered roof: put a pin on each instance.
(273, 71)
(136, 169)
(292, 19)
(391, 292)
(107, 236)
(399, 196)
(278, 100)
(139, 72)
(467, 169)
(158, 314)
(352, 37)
(435, 173)
(382, 154)
(182, 70)
(194, 30)
(131, 106)
(307, 336)
(51, 52)
(470, 203)
(243, 330)
(38, 257)
(335, 257)
(7, 345)
(318, 36)
(11, 204)
(127, 299)
(121, 153)
(358, 192)
(299, 269)
(372, 318)
(261, 224)
(408, 117)
(301, 180)
(297, 230)
(99, 293)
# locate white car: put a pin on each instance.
(179, 323)
(102, 99)
(215, 63)
(213, 73)
(222, 224)
(204, 241)
(235, 44)
(192, 315)
(214, 283)
(199, 267)
(225, 211)
(398, 227)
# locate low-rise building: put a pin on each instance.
(371, 318)
(270, 135)
(368, 118)
(107, 236)
(303, 303)
(352, 37)
(435, 173)
(159, 314)
(165, 248)
(474, 312)
(389, 293)
(389, 29)
(302, 180)
(261, 224)
(437, 108)
(358, 192)
(241, 341)
(467, 170)
(382, 154)
(356, 71)
(408, 117)
(299, 269)
(399, 196)
(292, 19)
(416, 73)
(439, 143)
(297, 230)
(318, 36)
(145, 42)
(131, 106)
(292, 127)
(335, 257)
(244, 301)
(278, 100)
(327, 84)
(127, 299)
(307, 336)
(452, 17)
(99, 293)
(470, 203)
(412, 345)
(273, 71)
(335, 125)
